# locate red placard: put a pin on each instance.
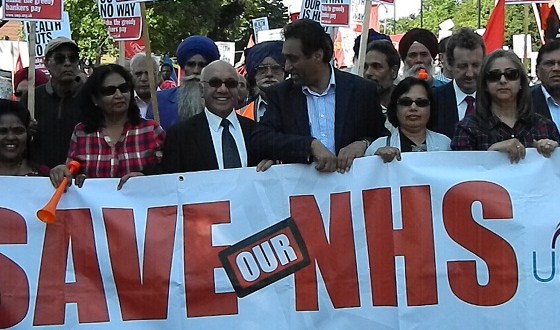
(32, 10)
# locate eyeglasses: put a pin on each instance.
(217, 83)
(192, 64)
(61, 58)
(110, 90)
(18, 93)
(407, 101)
(275, 68)
(496, 75)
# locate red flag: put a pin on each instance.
(494, 35)
(18, 66)
(550, 23)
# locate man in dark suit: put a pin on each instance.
(464, 54)
(320, 114)
(546, 96)
(204, 141)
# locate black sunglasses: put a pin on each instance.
(217, 83)
(110, 90)
(496, 75)
(407, 101)
(61, 58)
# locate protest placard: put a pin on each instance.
(32, 10)
(227, 51)
(45, 31)
(259, 24)
(123, 20)
(335, 12)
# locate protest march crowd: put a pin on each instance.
(293, 106)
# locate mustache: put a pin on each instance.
(192, 77)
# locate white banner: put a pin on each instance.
(448, 240)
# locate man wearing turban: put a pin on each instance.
(265, 67)
(175, 104)
(418, 48)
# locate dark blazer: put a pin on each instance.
(188, 146)
(445, 109)
(539, 102)
(284, 134)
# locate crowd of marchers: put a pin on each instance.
(291, 106)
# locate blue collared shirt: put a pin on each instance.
(553, 107)
(320, 108)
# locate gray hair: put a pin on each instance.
(141, 58)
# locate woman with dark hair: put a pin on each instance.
(504, 119)
(410, 111)
(15, 140)
(113, 140)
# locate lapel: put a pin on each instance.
(203, 141)
(342, 107)
(298, 109)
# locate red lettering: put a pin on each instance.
(336, 260)
(87, 292)
(141, 297)
(201, 258)
(495, 251)
(14, 287)
(415, 241)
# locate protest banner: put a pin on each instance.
(32, 10)
(259, 24)
(311, 9)
(45, 31)
(335, 12)
(446, 240)
(123, 20)
(227, 51)
(270, 35)
(134, 47)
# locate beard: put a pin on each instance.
(412, 71)
(190, 101)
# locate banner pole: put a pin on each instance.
(31, 72)
(364, 38)
(122, 59)
(151, 73)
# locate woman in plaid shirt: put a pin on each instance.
(114, 139)
(504, 119)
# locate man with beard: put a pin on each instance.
(139, 71)
(265, 67)
(320, 114)
(464, 54)
(546, 96)
(382, 64)
(57, 103)
(175, 104)
(418, 49)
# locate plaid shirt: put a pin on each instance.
(139, 147)
(469, 135)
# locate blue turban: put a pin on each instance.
(197, 45)
(256, 54)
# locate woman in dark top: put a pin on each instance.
(504, 119)
(14, 140)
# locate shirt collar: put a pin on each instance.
(331, 87)
(459, 94)
(214, 121)
(547, 95)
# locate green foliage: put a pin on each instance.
(465, 14)
(171, 21)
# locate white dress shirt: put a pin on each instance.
(460, 99)
(214, 123)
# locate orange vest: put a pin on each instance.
(248, 111)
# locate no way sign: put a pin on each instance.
(32, 10)
(122, 19)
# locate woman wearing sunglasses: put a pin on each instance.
(504, 119)
(113, 140)
(410, 111)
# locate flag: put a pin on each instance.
(494, 35)
(550, 22)
(339, 50)
(18, 66)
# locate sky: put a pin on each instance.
(404, 8)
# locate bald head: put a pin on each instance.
(220, 82)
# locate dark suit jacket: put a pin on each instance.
(284, 134)
(539, 102)
(188, 146)
(445, 110)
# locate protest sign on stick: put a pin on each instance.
(123, 20)
(28, 10)
(149, 68)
